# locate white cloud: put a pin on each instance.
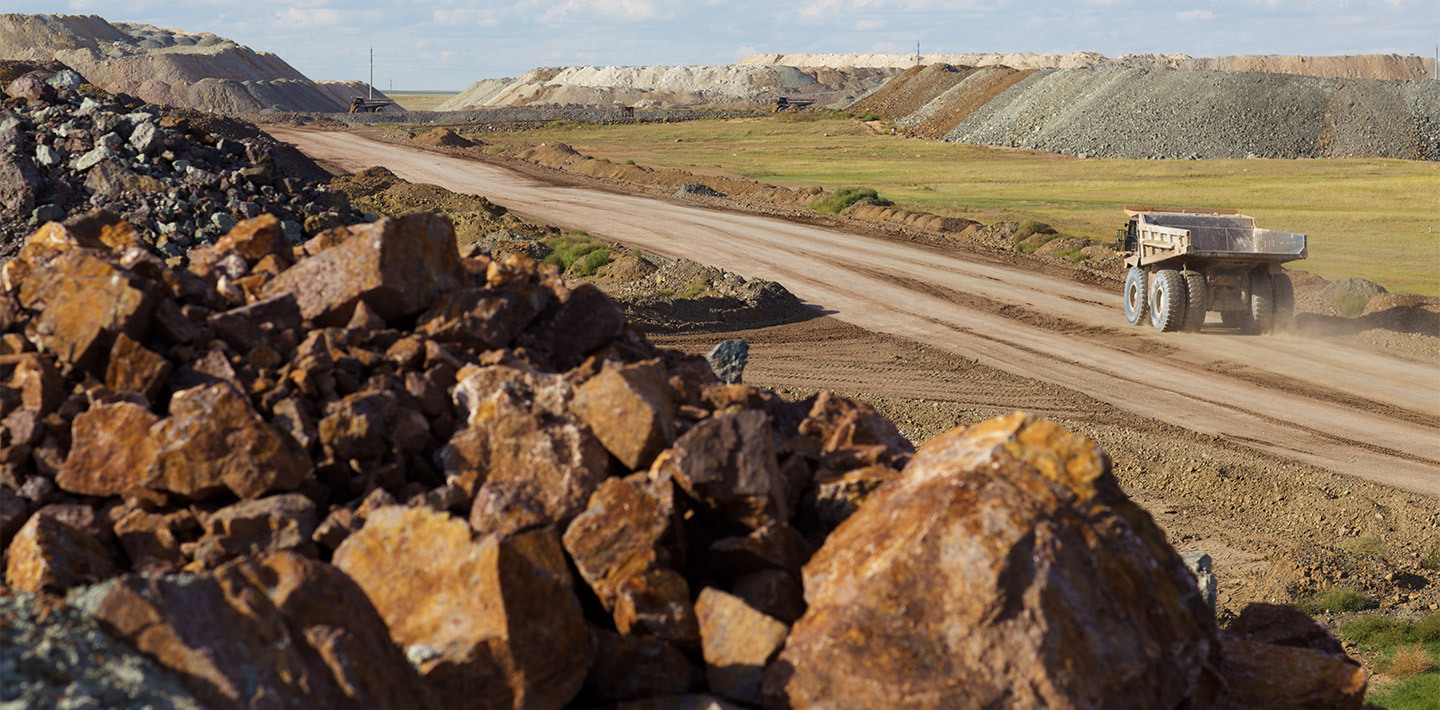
(624, 10)
(466, 17)
(299, 18)
(866, 25)
(1193, 15)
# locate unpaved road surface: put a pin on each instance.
(1349, 410)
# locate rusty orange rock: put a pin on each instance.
(214, 440)
(619, 535)
(738, 642)
(111, 450)
(630, 409)
(396, 265)
(135, 368)
(51, 556)
(1004, 567)
(488, 627)
(84, 303)
(727, 464)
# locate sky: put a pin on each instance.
(448, 44)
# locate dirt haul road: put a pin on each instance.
(1349, 410)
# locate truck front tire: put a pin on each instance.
(1167, 300)
(1197, 301)
(1135, 295)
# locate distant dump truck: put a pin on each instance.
(1185, 262)
(364, 105)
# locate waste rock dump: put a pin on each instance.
(377, 470)
(179, 177)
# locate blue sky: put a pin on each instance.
(447, 44)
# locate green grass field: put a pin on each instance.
(1376, 219)
(421, 101)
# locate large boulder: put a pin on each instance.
(727, 464)
(396, 265)
(487, 625)
(214, 440)
(1004, 569)
(631, 409)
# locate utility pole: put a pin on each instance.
(917, 53)
(372, 73)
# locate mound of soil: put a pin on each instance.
(443, 137)
(378, 191)
(682, 296)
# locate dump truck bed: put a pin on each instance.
(1210, 235)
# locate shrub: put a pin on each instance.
(1334, 599)
(694, 288)
(574, 246)
(1365, 545)
(1432, 560)
(1374, 631)
(1074, 255)
(870, 116)
(1408, 661)
(591, 262)
(846, 196)
(667, 292)
(1352, 305)
(1026, 247)
(630, 162)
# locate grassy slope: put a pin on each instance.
(421, 102)
(1369, 218)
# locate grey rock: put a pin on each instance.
(222, 221)
(1201, 567)
(48, 213)
(146, 138)
(728, 360)
(47, 156)
(93, 158)
(65, 79)
(293, 233)
(52, 655)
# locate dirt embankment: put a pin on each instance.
(171, 67)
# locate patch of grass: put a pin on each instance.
(1334, 599)
(591, 263)
(1337, 202)
(1030, 226)
(1364, 545)
(846, 196)
(870, 116)
(574, 247)
(1352, 305)
(667, 292)
(694, 288)
(1074, 255)
(1407, 650)
(1432, 559)
(421, 101)
(630, 162)
(1026, 247)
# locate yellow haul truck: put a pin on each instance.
(1185, 262)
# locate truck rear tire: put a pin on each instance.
(1196, 301)
(1262, 302)
(1284, 300)
(1135, 295)
(1167, 300)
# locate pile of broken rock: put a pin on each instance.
(181, 178)
(377, 471)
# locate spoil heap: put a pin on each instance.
(1129, 112)
(376, 471)
(201, 71)
(182, 178)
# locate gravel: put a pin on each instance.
(54, 656)
(1125, 112)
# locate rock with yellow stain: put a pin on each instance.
(1005, 568)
